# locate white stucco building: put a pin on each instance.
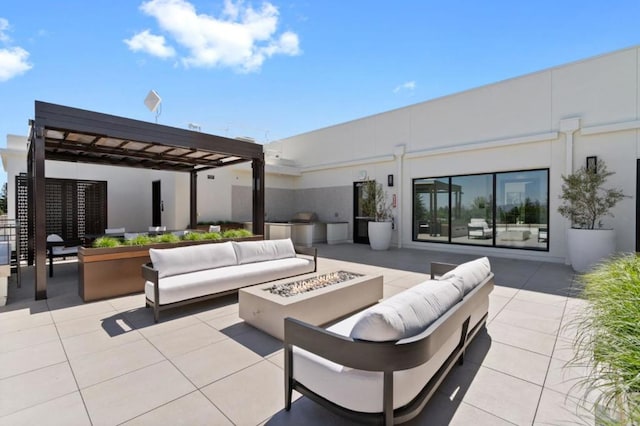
(494, 153)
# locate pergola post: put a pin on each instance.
(38, 183)
(193, 199)
(258, 195)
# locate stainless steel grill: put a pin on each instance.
(304, 217)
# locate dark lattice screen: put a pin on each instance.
(73, 207)
(22, 213)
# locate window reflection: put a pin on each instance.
(522, 206)
(431, 209)
(473, 221)
(464, 210)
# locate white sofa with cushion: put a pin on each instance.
(479, 228)
(386, 361)
(181, 275)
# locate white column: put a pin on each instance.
(568, 126)
(398, 152)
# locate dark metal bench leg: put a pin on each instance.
(288, 368)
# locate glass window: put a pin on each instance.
(431, 209)
(472, 209)
(465, 209)
(522, 209)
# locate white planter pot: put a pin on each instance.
(379, 235)
(588, 246)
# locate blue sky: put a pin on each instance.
(274, 69)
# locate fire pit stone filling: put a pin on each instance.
(302, 286)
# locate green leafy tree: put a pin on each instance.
(419, 209)
(584, 200)
(374, 201)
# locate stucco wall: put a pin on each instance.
(511, 125)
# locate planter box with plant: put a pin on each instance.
(585, 202)
(111, 267)
(374, 205)
(607, 341)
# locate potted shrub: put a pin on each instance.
(375, 206)
(585, 202)
(607, 343)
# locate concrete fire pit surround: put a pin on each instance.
(267, 311)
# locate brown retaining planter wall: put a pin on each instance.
(115, 271)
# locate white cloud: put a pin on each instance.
(407, 86)
(241, 37)
(13, 60)
(152, 44)
(4, 26)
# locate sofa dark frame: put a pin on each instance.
(387, 357)
(150, 274)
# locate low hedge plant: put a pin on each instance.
(143, 239)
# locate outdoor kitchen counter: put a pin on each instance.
(337, 232)
(300, 233)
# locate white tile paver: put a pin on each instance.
(128, 396)
(213, 362)
(499, 394)
(184, 340)
(97, 341)
(97, 367)
(31, 358)
(63, 411)
(193, 409)
(28, 337)
(35, 387)
(250, 396)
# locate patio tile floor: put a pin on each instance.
(66, 362)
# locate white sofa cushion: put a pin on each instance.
(182, 260)
(260, 251)
(407, 313)
(468, 275)
(362, 390)
(479, 222)
(201, 283)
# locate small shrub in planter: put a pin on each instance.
(608, 341)
(139, 240)
(212, 236)
(193, 236)
(584, 199)
(106, 242)
(166, 238)
(237, 233)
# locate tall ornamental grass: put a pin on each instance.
(608, 338)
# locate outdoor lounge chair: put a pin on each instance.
(478, 228)
(543, 232)
(57, 247)
(115, 232)
(153, 230)
(132, 235)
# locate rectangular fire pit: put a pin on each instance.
(267, 310)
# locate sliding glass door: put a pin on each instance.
(502, 209)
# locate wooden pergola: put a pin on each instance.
(69, 134)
